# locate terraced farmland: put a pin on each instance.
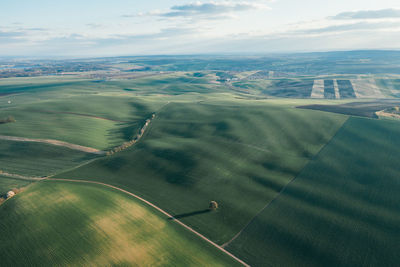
(342, 210)
(60, 223)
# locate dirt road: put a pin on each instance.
(54, 142)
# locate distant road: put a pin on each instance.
(160, 210)
(54, 142)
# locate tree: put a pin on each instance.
(213, 205)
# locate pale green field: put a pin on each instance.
(66, 224)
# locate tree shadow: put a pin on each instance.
(189, 214)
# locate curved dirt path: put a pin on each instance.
(160, 210)
(54, 142)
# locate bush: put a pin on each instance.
(7, 120)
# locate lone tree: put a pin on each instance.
(213, 205)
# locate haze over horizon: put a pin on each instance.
(93, 28)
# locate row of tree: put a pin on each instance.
(133, 141)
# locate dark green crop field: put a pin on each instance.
(342, 210)
(329, 89)
(239, 155)
(346, 89)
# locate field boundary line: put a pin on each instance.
(286, 186)
(157, 208)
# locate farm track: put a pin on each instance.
(157, 208)
(286, 186)
(21, 177)
(54, 142)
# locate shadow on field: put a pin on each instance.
(189, 214)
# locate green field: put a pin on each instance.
(239, 155)
(64, 224)
(298, 181)
(342, 210)
(36, 159)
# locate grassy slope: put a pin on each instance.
(78, 130)
(240, 155)
(341, 211)
(7, 184)
(33, 121)
(64, 224)
(36, 159)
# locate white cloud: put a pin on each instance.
(369, 14)
(209, 10)
(177, 37)
(359, 26)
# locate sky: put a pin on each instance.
(86, 28)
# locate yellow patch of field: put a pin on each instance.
(78, 224)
